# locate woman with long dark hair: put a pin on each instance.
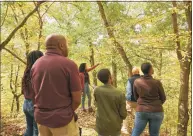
(28, 92)
(85, 81)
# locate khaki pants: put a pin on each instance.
(69, 130)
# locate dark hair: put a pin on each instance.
(31, 59)
(82, 67)
(145, 68)
(103, 75)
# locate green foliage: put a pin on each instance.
(144, 29)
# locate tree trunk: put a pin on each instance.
(12, 105)
(17, 103)
(183, 116)
(0, 81)
(160, 64)
(92, 62)
(185, 63)
(114, 68)
(40, 35)
(110, 32)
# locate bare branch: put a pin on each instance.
(15, 55)
(47, 9)
(5, 15)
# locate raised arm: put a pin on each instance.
(91, 68)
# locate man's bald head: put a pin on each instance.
(56, 41)
(135, 71)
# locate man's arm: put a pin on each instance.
(76, 99)
(161, 92)
(122, 109)
(128, 91)
(75, 86)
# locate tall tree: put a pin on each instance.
(110, 32)
(185, 63)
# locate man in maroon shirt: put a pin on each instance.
(56, 83)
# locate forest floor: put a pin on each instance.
(11, 126)
(16, 126)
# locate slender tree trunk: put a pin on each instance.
(41, 24)
(114, 68)
(17, 102)
(0, 81)
(160, 64)
(40, 35)
(183, 115)
(185, 63)
(114, 75)
(12, 105)
(110, 32)
(92, 62)
(16, 88)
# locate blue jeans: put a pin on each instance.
(153, 118)
(28, 109)
(86, 92)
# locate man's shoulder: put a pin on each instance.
(157, 81)
(113, 89)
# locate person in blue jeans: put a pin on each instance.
(27, 91)
(150, 97)
(83, 69)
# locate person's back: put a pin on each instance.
(52, 93)
(111, 107)
(131, 102)
(150, 94)
(56, 84)
(150, 97)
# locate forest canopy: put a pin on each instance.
(120, 35)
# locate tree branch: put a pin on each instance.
(47, 9)
(5, 16)
(6, 41)
(15, 55)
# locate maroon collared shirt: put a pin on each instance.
(54, 77)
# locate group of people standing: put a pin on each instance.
(52, 86)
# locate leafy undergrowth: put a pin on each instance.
(11, 126)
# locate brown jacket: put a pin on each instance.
(149, 94)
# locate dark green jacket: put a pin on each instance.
(111, 110)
